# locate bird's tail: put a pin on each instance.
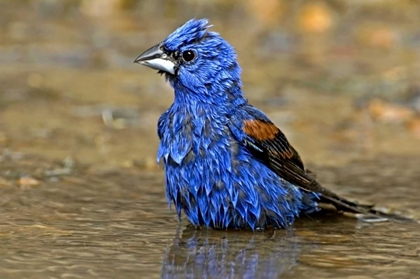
(365, 212)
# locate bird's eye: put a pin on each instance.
(188, 55)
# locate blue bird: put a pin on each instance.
(226, 164)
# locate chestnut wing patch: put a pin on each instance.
(271, 140)
(260, 130)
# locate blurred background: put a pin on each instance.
(340, 78)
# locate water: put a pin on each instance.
(114, 223)
(82, 197)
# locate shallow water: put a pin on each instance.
(114, 223)
(82, 197)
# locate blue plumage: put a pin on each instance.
(227, 165)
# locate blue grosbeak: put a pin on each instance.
(227, 165)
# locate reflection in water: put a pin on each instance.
(220, 254)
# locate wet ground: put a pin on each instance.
(82, 197)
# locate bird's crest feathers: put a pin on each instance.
(193, 30)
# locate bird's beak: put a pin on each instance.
(156, 59)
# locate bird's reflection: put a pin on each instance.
(220, 254)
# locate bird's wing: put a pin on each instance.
(268, 143)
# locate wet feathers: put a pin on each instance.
(226, 164)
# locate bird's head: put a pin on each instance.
(198, 63)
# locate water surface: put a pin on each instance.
(115, 223)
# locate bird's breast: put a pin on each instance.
(193, 138)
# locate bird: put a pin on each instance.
(226, 164)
